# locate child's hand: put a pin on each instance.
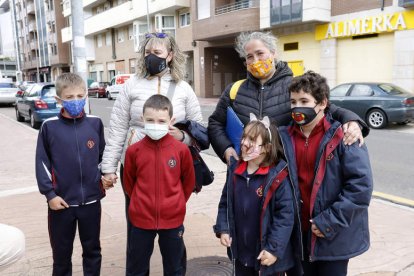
(266, 258)
(108, 180)
(316, 231)
(57, 203)
(225, 240)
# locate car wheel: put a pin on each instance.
(33, 122)
(376, 118)
(19, 117)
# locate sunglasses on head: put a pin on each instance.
(158, 35)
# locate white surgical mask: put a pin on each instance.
(156, 131)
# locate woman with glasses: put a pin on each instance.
(160, 70)
(265, 93)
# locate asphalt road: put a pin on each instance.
(391, 150)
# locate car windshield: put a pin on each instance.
(49, 91)
(6, 85)
(392, 89)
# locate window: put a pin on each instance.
(291, 46)
(108, 39)
(340, 91)
(165, 24)
(132, 63)
(361, 90)
(203, 9)
(139, 31)
(130, 32)
(184, 19)
(99, 40)
(283, 11)
(120, 35)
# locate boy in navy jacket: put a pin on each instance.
(159, 179)
(68, 155)
(334, 180)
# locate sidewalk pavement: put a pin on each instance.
(391, 226)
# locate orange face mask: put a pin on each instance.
(260, 68)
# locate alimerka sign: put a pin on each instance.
(366, 25)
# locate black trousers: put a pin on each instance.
(127, 200)
(322, 268)
(62, 230)
(171, 242)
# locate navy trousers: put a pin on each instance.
(127, 200)
(322, 268)
(141, 246)
(62, 230)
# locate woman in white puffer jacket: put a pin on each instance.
(160, 70)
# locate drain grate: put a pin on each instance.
(209, 266)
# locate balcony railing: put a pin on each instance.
(237, 6)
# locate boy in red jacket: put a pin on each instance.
(159, 179)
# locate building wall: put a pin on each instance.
(349, 6)
(308, 50)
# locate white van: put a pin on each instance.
(115, 86)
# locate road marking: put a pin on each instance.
(19, 191)
(394, 199)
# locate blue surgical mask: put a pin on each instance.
(74, 107)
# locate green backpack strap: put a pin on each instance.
(235, 88)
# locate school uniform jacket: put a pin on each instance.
(68, 156)
(340, 195)
(276, 219)
(159, 178)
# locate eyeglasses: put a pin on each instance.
(158, 35)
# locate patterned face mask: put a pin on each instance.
(74, 107)
(261, 68)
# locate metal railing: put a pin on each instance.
(237, 6)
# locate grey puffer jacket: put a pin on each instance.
(127, 113)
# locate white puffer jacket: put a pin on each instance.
(127, 113)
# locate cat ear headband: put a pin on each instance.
(265, 121)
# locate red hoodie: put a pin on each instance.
(159, 178)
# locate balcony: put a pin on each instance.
(130, 11)
(226, 21)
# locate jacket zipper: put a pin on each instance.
(157, 188)
(261, 101)
(313, 240)
(80, 162)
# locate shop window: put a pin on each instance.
(291, 46)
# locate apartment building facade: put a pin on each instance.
(114, 29)
(344, 40)
(42, 54)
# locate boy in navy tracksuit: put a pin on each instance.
(68, 155)
(334, 180)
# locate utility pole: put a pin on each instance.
(148, 20)
(78, 42)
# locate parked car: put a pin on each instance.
(377, 103)
(116, 84)
(23, 87)
(97, 89)
(37, 104)
(8, 92)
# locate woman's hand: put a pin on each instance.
(225, 240)
(266, 258)
(352, 133)
(229, 153)
(176, 133)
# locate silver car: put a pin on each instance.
(8, 93)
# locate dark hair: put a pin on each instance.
(69, 80)
(158, 102)
(272, 146)
(311, 83)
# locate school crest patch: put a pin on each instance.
(90, 144)
(172, 162)
(259, 191)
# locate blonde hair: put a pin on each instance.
(177, 63)
(69, 80)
